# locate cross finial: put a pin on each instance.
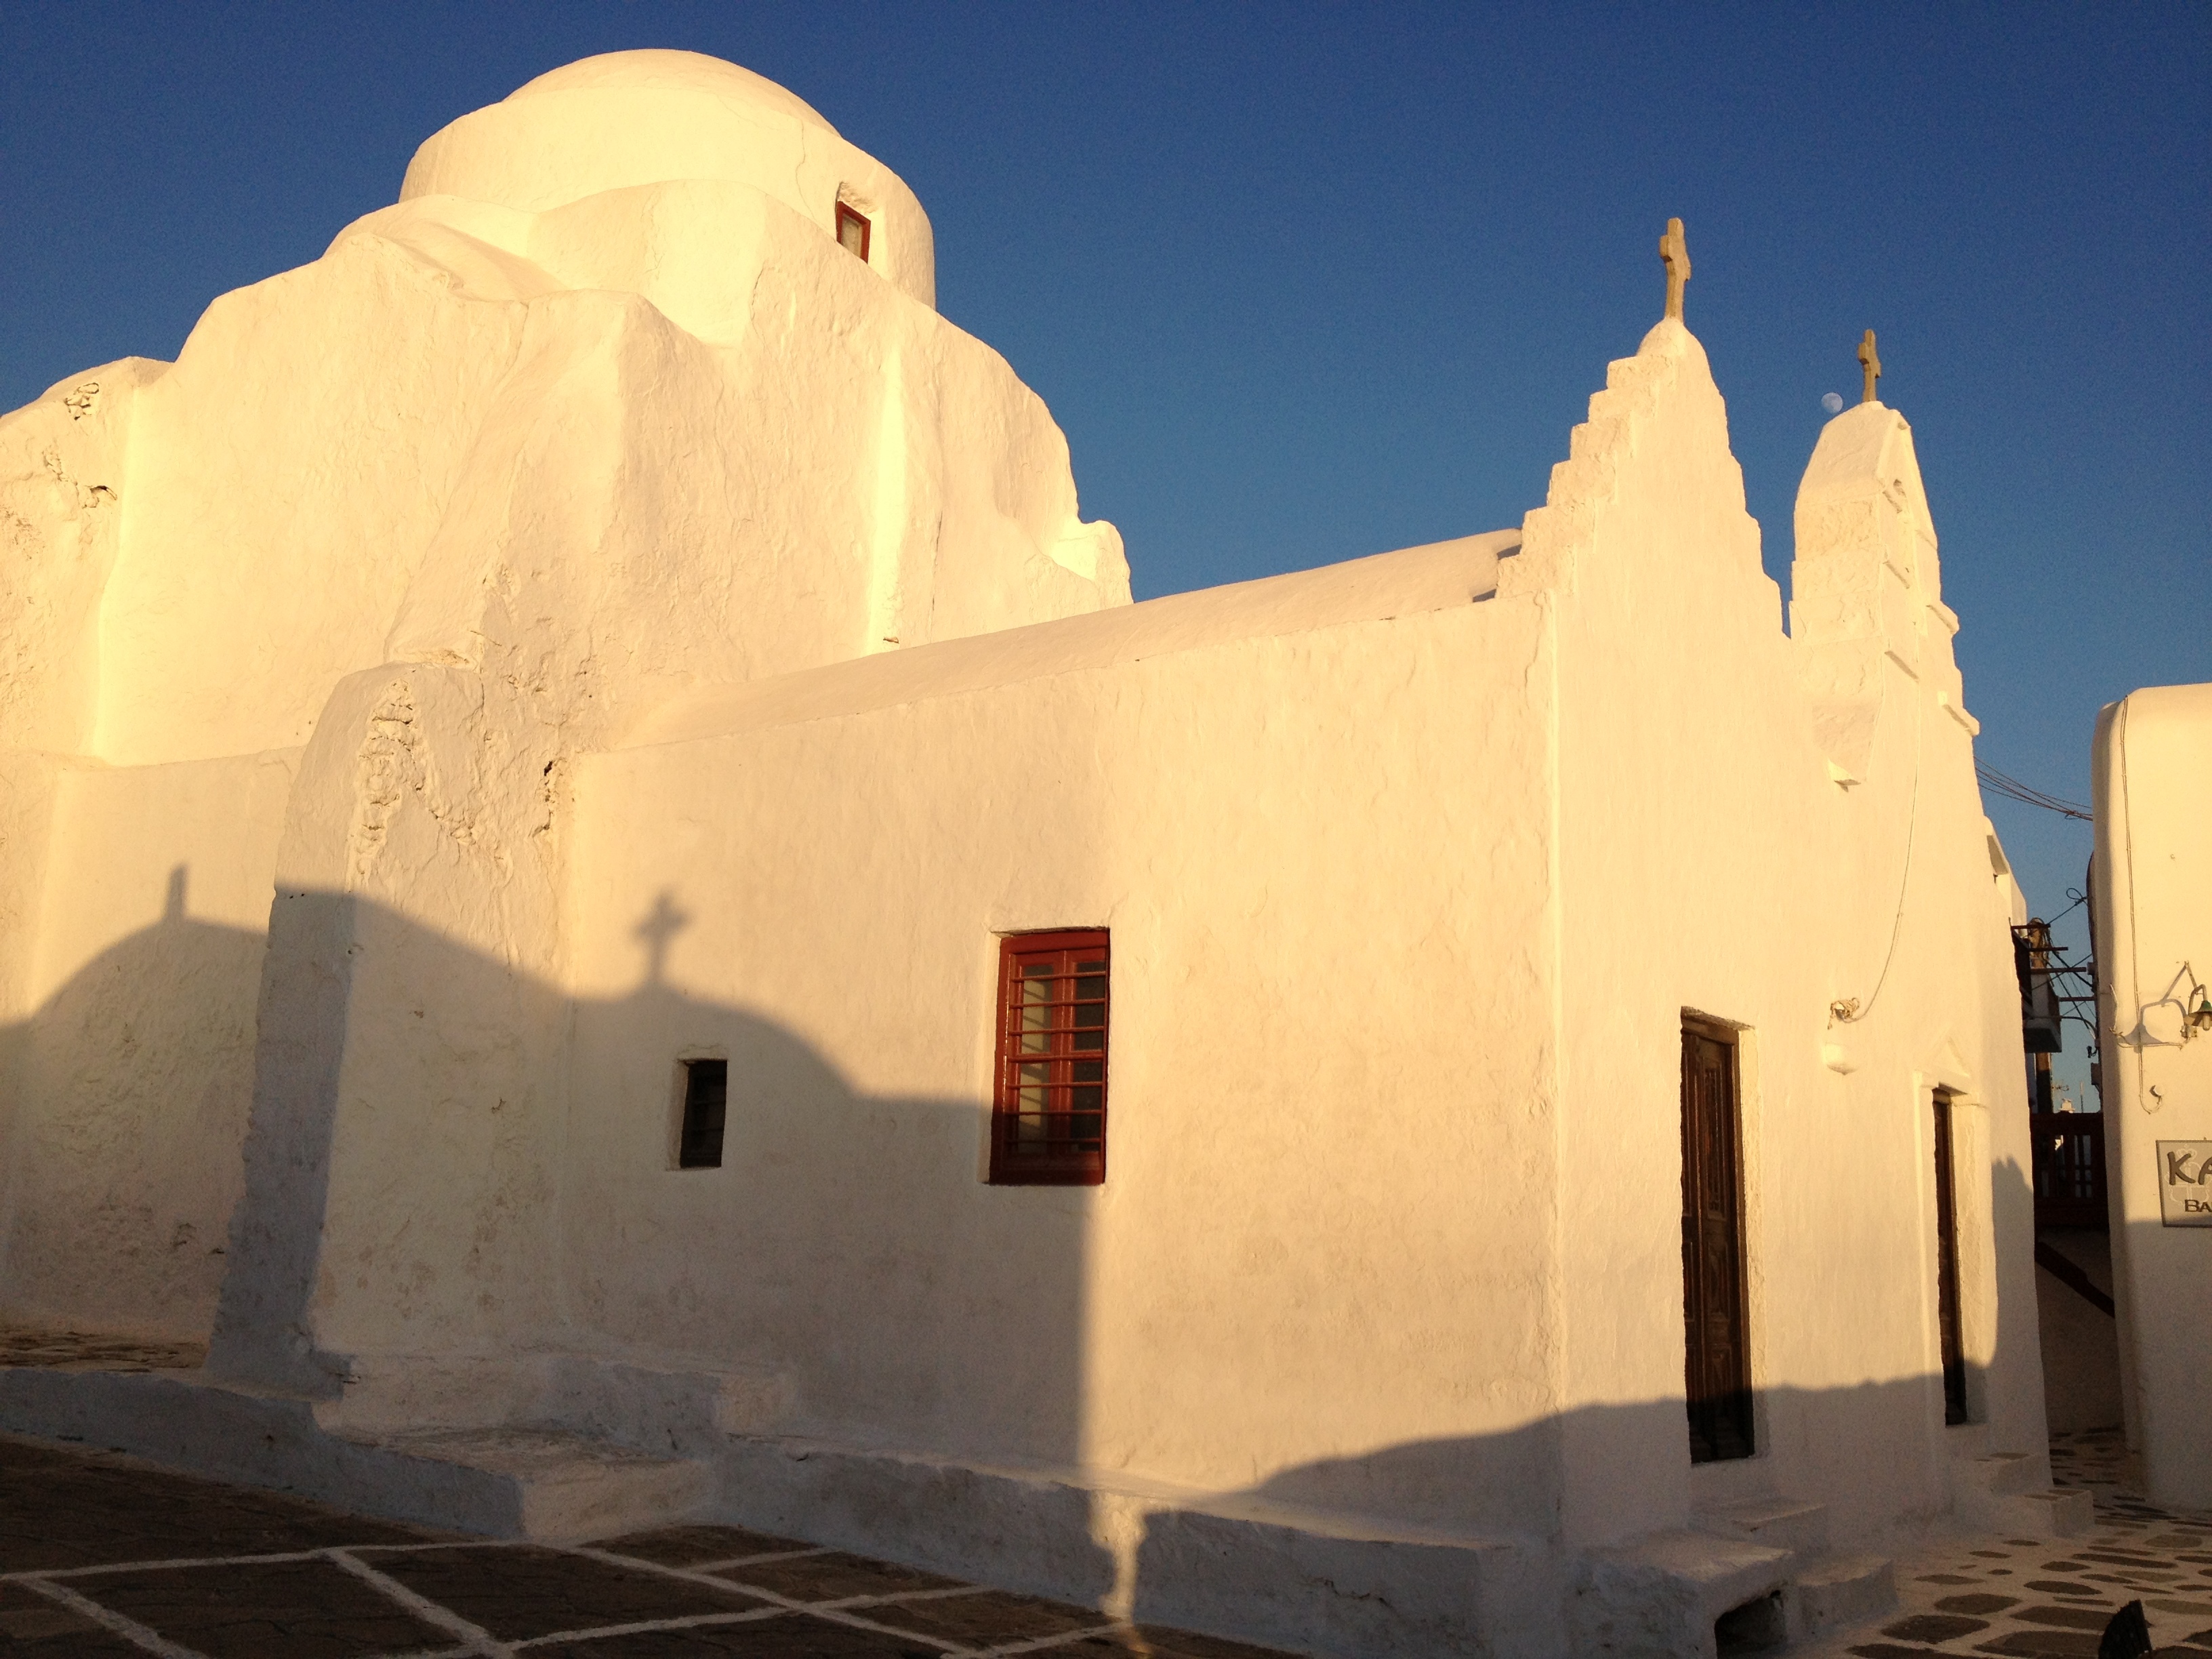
(1871, 363)
(1675, 252)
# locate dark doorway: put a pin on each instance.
(1715, 1297)
(1946, 1269)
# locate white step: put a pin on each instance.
(2001, 1475)
(565, 1487)
(1844, 1590)
(505, 1483)
(2047, 1514)
(2006, 1492)
(1663, 1594)
(1781, 1522)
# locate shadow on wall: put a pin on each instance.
(1878, 1454)
(445, 1158)
(406, 1164)
(127, 1094)
(2081, 1337)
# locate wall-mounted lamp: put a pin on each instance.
(2197, 1019)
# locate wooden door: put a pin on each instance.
(1715, 1296)
(1946, 1269)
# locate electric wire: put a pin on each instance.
(2012, 789)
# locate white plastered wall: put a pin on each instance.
(652, 428)
(1740, 873)
(1316, 1273)
(2152, 899)
(1717, 857)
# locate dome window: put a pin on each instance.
(853, 229)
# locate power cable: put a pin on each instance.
(2028, 795)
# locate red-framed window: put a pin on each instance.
(852, 229)
(1049, 1106)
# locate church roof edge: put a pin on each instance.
(1408, 581)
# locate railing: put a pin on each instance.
(2069, 1169)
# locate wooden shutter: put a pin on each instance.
(1049, 1108)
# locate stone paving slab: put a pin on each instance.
(237, 1610)
(32, 1625)
(104, 1555)
(62, 1508)
(2046, 1598)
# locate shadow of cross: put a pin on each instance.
(662, 923)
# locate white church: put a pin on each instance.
(606, 904)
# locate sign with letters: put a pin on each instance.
(2185, 1182)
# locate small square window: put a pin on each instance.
(1049, 1104)
(706, 1104)
(853, 229)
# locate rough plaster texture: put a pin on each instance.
(2152, 891)
(589, 620)
(667, 404)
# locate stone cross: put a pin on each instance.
(1871, 363)
(1674, 252)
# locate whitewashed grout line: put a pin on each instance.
(479, 1639)
(734, 1561)
(689, 1575)
(129, 1629)
(648, 1626)
(846, 1612)
(1066, 1638)
(479, 1642)
(159, 1566)
(904, 1596)
(834, 1612)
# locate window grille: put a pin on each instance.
(1049, 1107)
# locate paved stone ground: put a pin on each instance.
(64, 1350)
(2020, 1596)
(102, 1555)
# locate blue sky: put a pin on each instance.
(1303, 282)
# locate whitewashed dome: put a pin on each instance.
(660, 70)
(629, 118)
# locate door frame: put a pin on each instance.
(1746, 1430)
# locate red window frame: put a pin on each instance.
(852, 215)
(1049, 1097)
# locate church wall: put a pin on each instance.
(64, 462)
(1315, 1273)
(135, 1065)
(823, 468)
(425, 449)
(288, 474)
(1729, 875)
(364, 897)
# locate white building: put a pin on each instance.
(2152, 905)
(538, 759)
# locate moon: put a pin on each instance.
(1832, 402)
